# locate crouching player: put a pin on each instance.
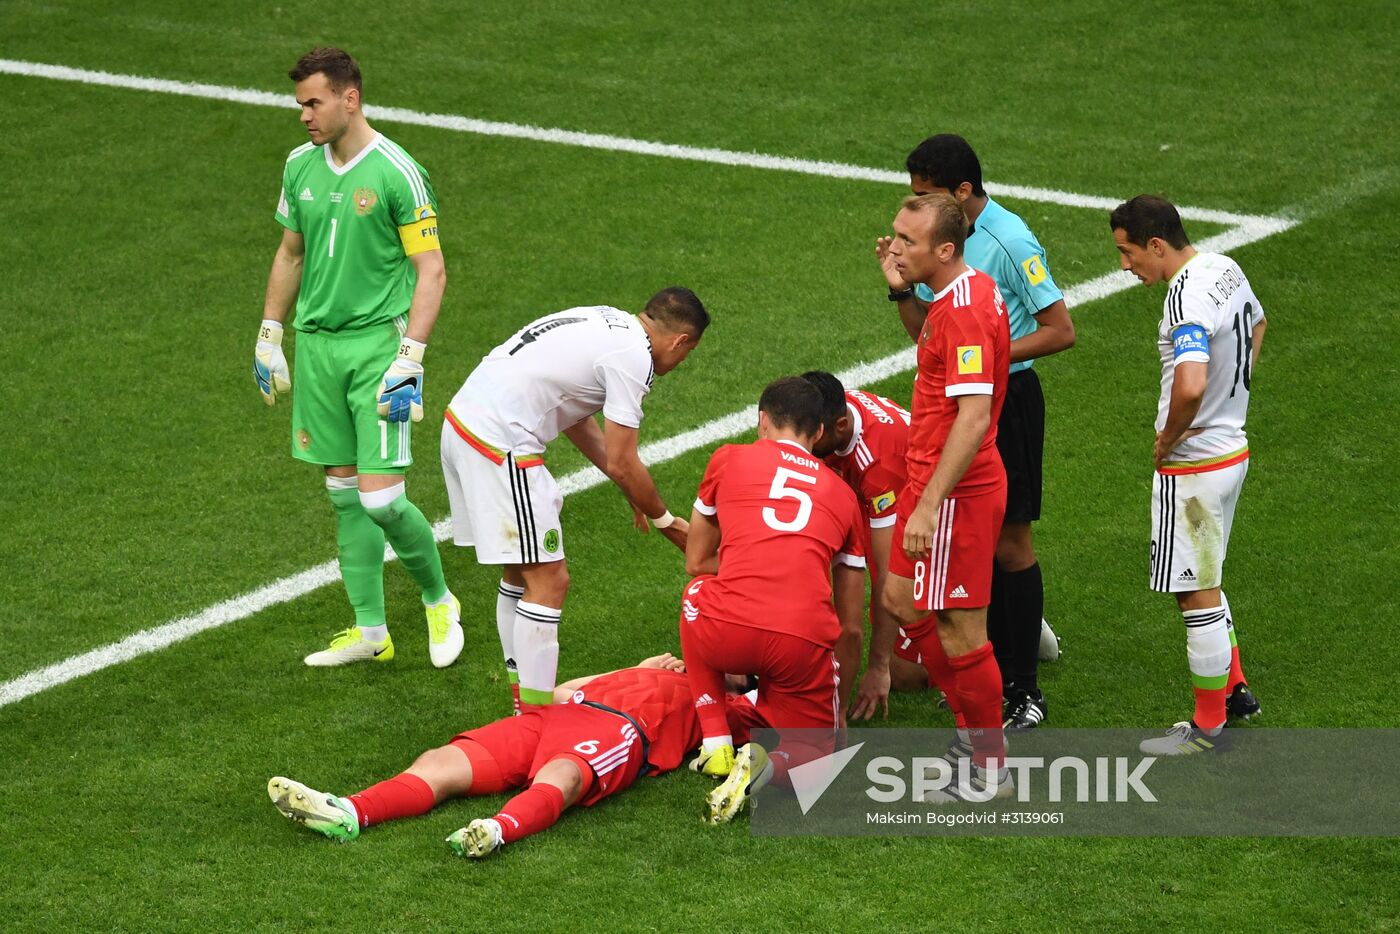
(602, 732)
(772, 526)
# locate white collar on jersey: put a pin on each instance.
(342, 169)
(855, 432)
(949, 287)
(794, 444)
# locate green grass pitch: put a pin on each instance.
(147, 481)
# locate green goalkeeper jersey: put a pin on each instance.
(361, 222)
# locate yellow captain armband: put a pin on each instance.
(420, 234)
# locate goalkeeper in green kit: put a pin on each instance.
(360, 258)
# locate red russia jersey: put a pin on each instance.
(659, 702)
(873, 463)
(964, 349)
(784, 517)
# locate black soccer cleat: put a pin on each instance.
(1025, 712)
(1241, 704)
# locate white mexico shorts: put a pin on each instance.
(1191, 518)
(507, 511)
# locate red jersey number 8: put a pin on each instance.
(780, 490)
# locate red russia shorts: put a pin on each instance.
(797, 679)
(607, 742)
(958, 573)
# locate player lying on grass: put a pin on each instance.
(602, 732)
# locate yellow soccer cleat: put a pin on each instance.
(717, 763)
(752, 771)
(481, 837)
(348, 646)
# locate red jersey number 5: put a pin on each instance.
(781, 490)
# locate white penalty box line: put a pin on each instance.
(1242, 229)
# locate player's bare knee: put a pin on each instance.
(445, 770)
(564, 773)
(546, 584)
(1015, 548)
(898, 604)
(907, 676)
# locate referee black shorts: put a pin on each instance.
(1021, 441)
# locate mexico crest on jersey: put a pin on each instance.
(365, 200)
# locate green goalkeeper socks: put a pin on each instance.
(361, 545)
(412, 537)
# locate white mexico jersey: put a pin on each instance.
(554, 372)
(1209, 317)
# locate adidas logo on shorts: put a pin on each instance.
(1187, 576)
(704, 700)
(959, 593)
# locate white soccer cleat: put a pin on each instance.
(326, 814)
(982, 785)
(481, 837)
(348, 647)
(445, 638)
(1049, 643)
(1184, 739)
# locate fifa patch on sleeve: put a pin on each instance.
(1190, 339)
(969, 361)
(882, 502)
(1035, 270)
(420, 235)
(282, 210)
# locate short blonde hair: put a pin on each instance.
(950, 223)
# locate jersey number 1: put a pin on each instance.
(330, 248)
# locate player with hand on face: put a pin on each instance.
(603, 733)
(1002, 246)
(1212, 328)
(950, 511)
(773, 534)
(553, 377)
(360, 260)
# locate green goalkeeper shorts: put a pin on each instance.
(335, 390)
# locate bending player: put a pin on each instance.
(549, 378)
(950, 513)
(863, 439)
(603, 732)
(772, 526)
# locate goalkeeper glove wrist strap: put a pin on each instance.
(410, 349)
(270, 331)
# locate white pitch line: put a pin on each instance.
(602, 141)
(1247, 228)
